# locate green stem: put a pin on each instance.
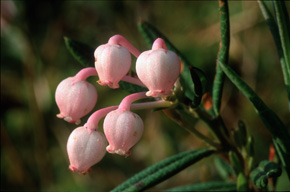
(284, 32)
(282, 51)
(217, 126)
(222, 55)
(273, 123)
(188, 123)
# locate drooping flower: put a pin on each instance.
(75, 99)
(123, 129)
(158, 69)
(112, 63)
(85, 149)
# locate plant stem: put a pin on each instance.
(83, 74)
(180, 117)
(93, 121)
(118, 39)
(152, 105)
(217, 126)
(133, 80)
(128, 100)
(222, 55)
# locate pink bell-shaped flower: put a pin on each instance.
(123, 130)
(112, 63)
(75, 99)
(158, 69)
(85, 148)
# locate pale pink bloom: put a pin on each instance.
(112, 63)
(123, 130)
(85, 149)
(158, 69)
(75, 99)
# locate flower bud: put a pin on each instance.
(123, 130)
(158, 69)
(85, 149)
(75, 99)
(112, 64)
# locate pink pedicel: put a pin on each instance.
(85, 149)
(75, 99)
(158, 69)
(123, 130)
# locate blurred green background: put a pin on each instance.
(34, 60)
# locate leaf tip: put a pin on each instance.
(65, 38)
(140, 20)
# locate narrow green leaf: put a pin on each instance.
(272, 122)
(193, 78)
(240, 135)
(209, 186)
(259, 178)
(224, 169)
(284, 32)
(223, 55)
(266, 169)
(280, 30)
(250, 151)
(81, 52)
(242, 182)
(162, 170)
(235, 161)
(131, 88)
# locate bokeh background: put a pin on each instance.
(34, 60)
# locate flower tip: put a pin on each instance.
(118, 151)
(109, 84)
(68, 119)
(59, 116)
(73, 169)
(114, 85)
(158, 93)
(77, 122)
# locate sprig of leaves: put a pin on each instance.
(266, 169)
(270, 119)
(162, 170)
(209, 186)
(281, 34)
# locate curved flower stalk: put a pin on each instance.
(83, 74)
(158, 69)
(113, 60)
(123, 128)
(75, 97)
(93, 121)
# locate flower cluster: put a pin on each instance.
(157, 69)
